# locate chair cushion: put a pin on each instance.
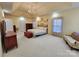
(69, 38)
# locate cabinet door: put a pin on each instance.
(10, 42)
(29, 26)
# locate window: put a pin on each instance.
(57, 25)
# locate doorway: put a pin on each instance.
(22, 24)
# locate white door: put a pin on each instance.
(22, 25)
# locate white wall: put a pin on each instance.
(0, 33)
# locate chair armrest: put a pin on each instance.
(76, 42)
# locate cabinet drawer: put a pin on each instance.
(10, 42)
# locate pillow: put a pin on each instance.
(75, 35)
(44, 28)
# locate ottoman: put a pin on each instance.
(28, 34)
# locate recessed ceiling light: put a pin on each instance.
(55, 14)
(22, 18)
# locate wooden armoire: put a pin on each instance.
(29, 26)
(9, 39)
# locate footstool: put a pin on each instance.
(28, 34)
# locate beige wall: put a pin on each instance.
(70, 21)
(50, 25)
(15, 21)
(1, 16)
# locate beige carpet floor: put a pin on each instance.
(42, 46)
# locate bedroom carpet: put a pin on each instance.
(42, 46)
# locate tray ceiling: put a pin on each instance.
(33, 9)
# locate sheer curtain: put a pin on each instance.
(57, 25)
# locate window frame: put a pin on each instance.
(55, 25)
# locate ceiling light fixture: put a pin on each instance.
(55, 14)
(22, 18)
(38, 19)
